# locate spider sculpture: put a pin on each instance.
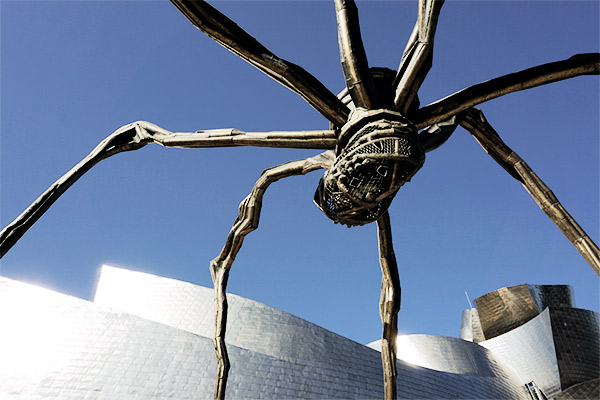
(377, 141)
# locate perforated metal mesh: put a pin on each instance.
(377, 160)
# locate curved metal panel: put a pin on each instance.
(504, 309)
(589, 390)
(552, 296)
(576, 339)
(70, 348)
(470, 328)
(530, 350)
(57, 346)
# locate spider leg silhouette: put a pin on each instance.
(443, 109)
(476, 124)
(389, 304)
(246, 222)
(138, 134)
(228, 34)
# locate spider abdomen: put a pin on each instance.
(377, 153)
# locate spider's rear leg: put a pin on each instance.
(228, 34)
(247, 221)
(389, 304)
(440, 110)
(474, 121)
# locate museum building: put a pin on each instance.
(149, 337)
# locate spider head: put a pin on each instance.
(378, 152)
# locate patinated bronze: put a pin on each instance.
(377, 141)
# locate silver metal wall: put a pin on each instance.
(148, 337)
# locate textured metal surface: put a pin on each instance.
(552, 296)
(448, 354)
(366, 175)
(250, 324)
(576, 339)
(589, 390)
(529, 349)
(66, 348)
(60, 347)
(466, 325)
(377, 153)
(505, 309)
(260, 328)
(557, 349)
(470, 327)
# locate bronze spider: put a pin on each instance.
(384, 165)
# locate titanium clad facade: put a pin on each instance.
(576, 338)
(250, 324)
(60, 347)
(147, 337)
(470, 326)
(466, 325)
(530, 350)
(468, 370)
(552, 296)
(449, 354)
(505, 309)
(557, 349)
(586, 390)
(260, 328)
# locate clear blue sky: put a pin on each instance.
(73, 72)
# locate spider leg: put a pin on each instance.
(475, 123)
(247, 221)
(225, 32)
(353, 56)
(135, 136)
(417, 58)
(389, 304)
(579, 64)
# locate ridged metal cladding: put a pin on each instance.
(378, 152)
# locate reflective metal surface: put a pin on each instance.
(530, 350)
(470, 326)
(449, 354)
(586, 390)
(557, 349)
(147, 337)
(260, 328)
(505, 309)
(577, 341)
(552, 296)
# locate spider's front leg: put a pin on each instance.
(127, 138)
(389, 304)
(135, 136)
(475, 123)
(247, 221)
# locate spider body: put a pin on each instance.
(378, 152)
